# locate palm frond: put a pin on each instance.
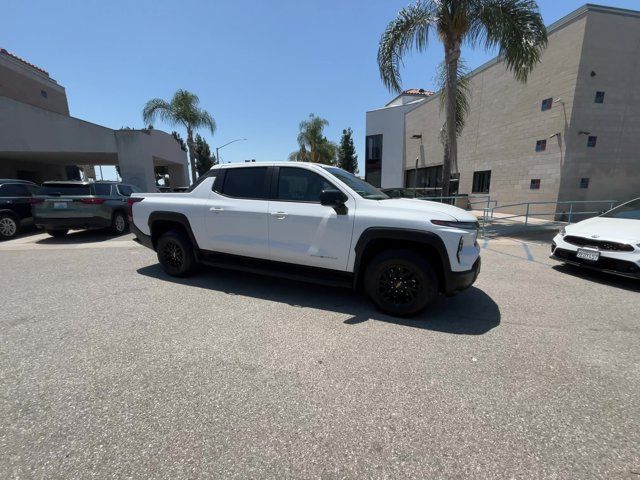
(515, 27)
(205, 120)
(408, 31)
(157, 108)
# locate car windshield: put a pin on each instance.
(64, 189)
(629, 210)
(361, 187)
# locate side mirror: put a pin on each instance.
(335, 199)
(332, 198)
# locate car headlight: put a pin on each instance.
(454, 224)
(562, 232)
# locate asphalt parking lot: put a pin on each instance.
(110, 368)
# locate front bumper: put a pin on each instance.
(71, 223)
(614, 266)
(458, 281)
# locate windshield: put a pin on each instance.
(629, 210)
(361, 187)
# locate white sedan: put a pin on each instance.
(609, 243)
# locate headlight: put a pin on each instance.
(562, 232)
(454, 224)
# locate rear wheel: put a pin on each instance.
(401, 282)
(8, 226)
(175, 254)
(119, 223)
(58, 233)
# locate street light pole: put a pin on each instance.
(228, 143)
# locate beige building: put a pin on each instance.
(572, 132)
(40, 141)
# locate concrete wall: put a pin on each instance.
(505, 122)
(25, 84)
(390, 123)
(611, 51)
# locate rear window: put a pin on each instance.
(102, 188)
(248, 182)
(65, 189)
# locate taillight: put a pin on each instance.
(130, 202)
(35, 201)
(93, 201)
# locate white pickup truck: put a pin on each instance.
(314, 223)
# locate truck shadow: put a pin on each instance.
(83, 236)
(471, 312)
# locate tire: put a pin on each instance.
(401, 283)
(58, 233)
(119, 224)
(175, 254)
(9, 226)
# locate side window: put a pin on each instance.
(247, 182)
(103, 189)
(125, 190)
(301, 185)
(14, 190)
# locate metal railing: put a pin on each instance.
(570, 215)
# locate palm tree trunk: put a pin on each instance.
(451, 55)
(192, 155)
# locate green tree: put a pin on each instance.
(347, 158)
(178, 138)
(515, 27)
(314, 146)
(204, 158)
(182, 110)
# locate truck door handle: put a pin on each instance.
(279, 215)
(216, 209)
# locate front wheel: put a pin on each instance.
(175, 254)
(8, 226)
(401, 282)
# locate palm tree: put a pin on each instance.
(515, 27)
(314, 146)
(183, 110)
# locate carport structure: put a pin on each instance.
(38, 145)
(39, 139)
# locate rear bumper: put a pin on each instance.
(609, 265)
(458, 281)
(71, 223)
(141, 238)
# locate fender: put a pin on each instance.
(176, 217)
(418, 236)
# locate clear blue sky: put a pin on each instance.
(260, 67)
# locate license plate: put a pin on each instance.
(590, 255)
(59, 204)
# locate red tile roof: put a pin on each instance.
(22, 60)
(418, 91)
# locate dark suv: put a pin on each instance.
(64, 205)
(15, 206)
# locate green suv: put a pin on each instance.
(60, 206)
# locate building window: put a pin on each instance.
(541, 145)
(535, 184)
(43, 93)
(429, 177)
(591, 141)
(373, 160)
(547, 103)
(481, 181)
(584, 183)
(599, 97)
